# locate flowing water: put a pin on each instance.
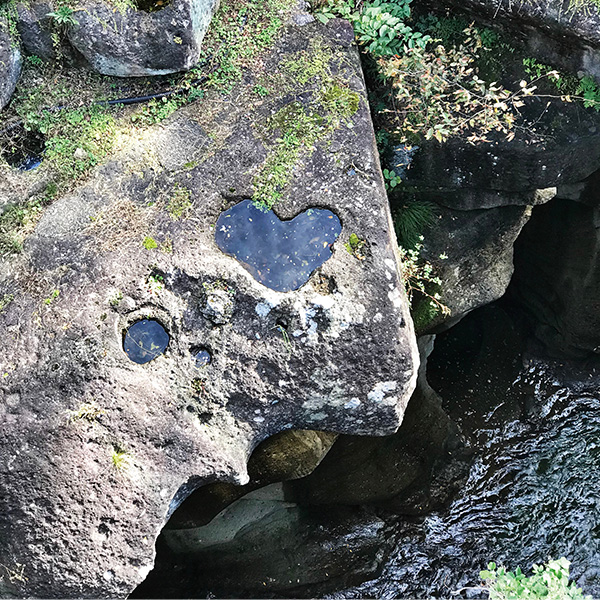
(532, 492)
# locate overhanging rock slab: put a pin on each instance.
(96, 451)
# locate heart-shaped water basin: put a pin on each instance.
(279, 254)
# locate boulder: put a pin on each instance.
(130, 43)
(394, 472)
(97, 449)
(557, 276)
(35, 29)
(472, 254)
(534, 159)
(10, 64)
(565, 35)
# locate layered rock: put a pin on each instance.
(98, 451)
(128, 42)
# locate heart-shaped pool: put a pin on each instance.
(280, 254)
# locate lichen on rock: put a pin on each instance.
(103, 486)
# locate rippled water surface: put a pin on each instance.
(532, 493)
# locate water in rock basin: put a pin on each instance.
(145, 340)
(279, 254)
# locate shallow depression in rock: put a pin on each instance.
(145, 340)
(279, 254)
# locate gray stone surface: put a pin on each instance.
(135, 43)
(395, 471)
(72, 404)
(34, 28)
(10, 64)
(478, 245)
(537, 158)
(564, 34)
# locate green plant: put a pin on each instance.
(438, 94)
(380, 26)
(5, 300)
(34, 60)
(549, 581)
(63, 17)
(391, 179)
(116, 298)
(261, 90)
(120, 458)
(356, 246)
(422, 286)
(155, 282)
(411, 219)
(149, 243)
(88, 411)
(180, 202)
(53, 296)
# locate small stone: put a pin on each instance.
(80, 154)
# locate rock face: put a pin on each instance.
(34, 29)
(566, 35)
(478, 245)
(135, 43)
(395, 471)
(286, 455)
(10, 65)
(558, 276)
(97, 451)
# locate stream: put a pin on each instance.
(532, 489)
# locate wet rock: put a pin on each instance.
(127, 42)
(10, 64)
(557, 276)
(98, 452)
(286, 455)
(35, 29)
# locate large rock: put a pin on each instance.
(10, 64)
(134, 43)
(472, 254)
(557, 276)
(537, 158)
(97, 451)
(395, 471)
(35, 29)
(564, 34)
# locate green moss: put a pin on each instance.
(149, 243)
(300, 127)
(299, 130)
(180, 202)
(5, 300)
